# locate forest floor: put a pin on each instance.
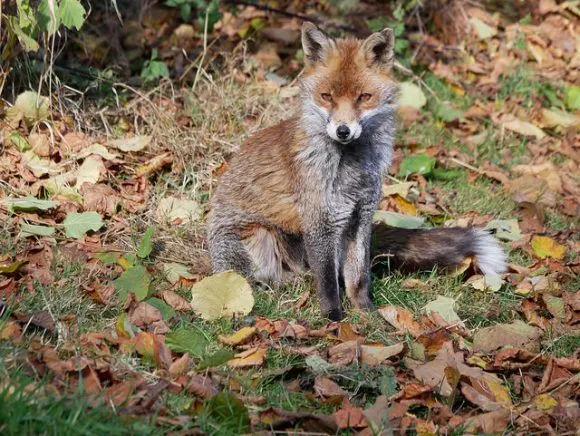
(102, 206)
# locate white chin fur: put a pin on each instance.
(489, 256)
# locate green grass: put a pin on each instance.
(27, 408)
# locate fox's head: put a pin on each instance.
(346, 84)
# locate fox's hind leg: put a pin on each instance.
(227, 252)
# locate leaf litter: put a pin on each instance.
(434, 372)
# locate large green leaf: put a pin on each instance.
(27, 230)
(146, 245)
(77, 224)
(72, 14)
(187, 341)
(135, 279)
(28, 204)
(166, 310)
(400, 220)
(420, 163)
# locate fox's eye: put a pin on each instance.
(326, 97)
(364, 97)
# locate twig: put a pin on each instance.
(407, 71)
(466, 165)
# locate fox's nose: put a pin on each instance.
(343, 131)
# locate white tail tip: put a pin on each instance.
(489, 256)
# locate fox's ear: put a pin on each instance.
(314, 43)
(379, 48)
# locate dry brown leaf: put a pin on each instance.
(350, 417)
(344, 353)
(325, 387)
(376, 354)
(180, 366)
(517, 334)
(176, 301)
(401, 319)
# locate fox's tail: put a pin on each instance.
(446, 247)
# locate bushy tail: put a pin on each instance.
(418, 249)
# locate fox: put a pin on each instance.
(301, 195)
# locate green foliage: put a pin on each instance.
(187, 341)
(154, 69)
(209, 8)
(39, 19)
(136, 279)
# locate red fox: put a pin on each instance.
(302, 194)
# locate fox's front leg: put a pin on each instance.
(357, 261)
(322, 252)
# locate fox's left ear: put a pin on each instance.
(379, 48)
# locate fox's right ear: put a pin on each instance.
(314, 43)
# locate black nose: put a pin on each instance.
(342, 131)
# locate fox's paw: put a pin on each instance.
(333, 315)
(364, 303)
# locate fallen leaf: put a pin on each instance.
(401, 319)
(545, 402)
(251, 357)
(445, 307)
(506, 230)
(558, 118)
(410, 95)
(180, 366)
(136, 143)
(400, 220)
(185, 340)
(222, 295)
(420, 163)
(135, 279)
(518, 334)
(481, 29)
(522, 127)
(544, 247)
(28, 204)
(90, 171)
(240, 337)
(325, 387)
(344, 353)
(175, 271)
(178, 211)
(77, 224)
(27, 230)
(154, 164)
(176, 301)
(31, 106)
(488, 282)
(377, 354)
(401, 189)
(489, 423)
(350, 417)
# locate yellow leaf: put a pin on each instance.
(251, 357)
(405, 206)
(545, 402)
(223, 294)
(544, 247)
(476, 360)
(500, 393)
(241, 336)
